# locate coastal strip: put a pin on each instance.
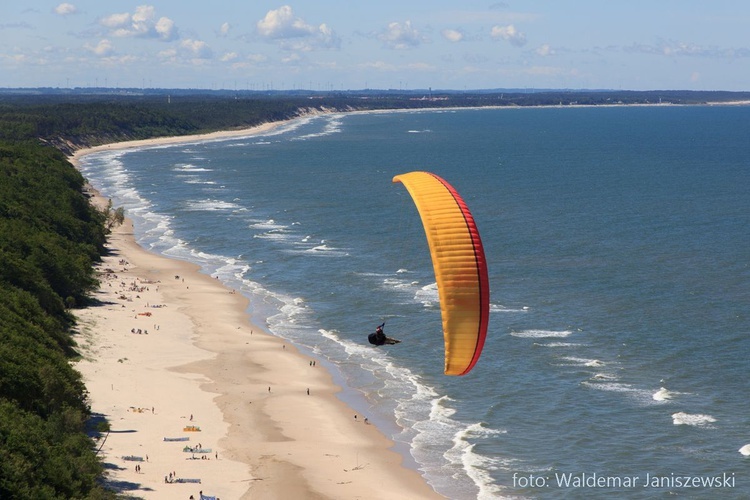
(202, 401)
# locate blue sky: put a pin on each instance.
(388, 44)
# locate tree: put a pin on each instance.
(113, 216)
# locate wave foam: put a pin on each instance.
(428, 295)
(693, 420)
(187, 167)
(608, 383)
(663, 394)
(332, 126)
(477, 466)
(541, 334)
(497, 308)
(557, 344)
(210, 205)
(326, 251)
(583, 361)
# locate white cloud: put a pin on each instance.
(196, 49)
(65, 9)
(290, 59)
(115, 20)
(292, 32)
(281, 23)
(400, 36)
(142, 23)
(165, 28)
(509, 33)
(327, 37)
(143, 13)
(224, 29)
(452, 35)
(168, 53)
(102, 49)
(229, 56)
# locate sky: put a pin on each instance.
(388, 44)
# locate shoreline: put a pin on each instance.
(213, 370)
(269, 414)
(267, 126)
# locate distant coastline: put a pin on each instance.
(72, 119)
(234, 133)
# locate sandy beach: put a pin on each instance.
(202, 401)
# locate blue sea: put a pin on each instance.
(618, 244)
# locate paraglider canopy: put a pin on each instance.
(460, 267)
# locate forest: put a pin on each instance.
(51, 238)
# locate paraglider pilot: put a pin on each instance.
(379, 338)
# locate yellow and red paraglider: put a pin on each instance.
(460, 267)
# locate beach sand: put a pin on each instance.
(169, 352)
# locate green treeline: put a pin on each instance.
(71, 122)
(50, 238)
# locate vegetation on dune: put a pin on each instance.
(50, 238)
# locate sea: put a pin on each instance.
(617, 239)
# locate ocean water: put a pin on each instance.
(618, 247)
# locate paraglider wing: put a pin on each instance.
(460, 267)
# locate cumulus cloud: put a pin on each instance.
(165, 29)
(282, 26)
(281, 23)
(115, 20)
(452, 35)
(102, 49)
(224, 29)
(228, 56)
(197, 49)
(65, 9)
(141, 23)
(190, 51)
(400, 36)
(510, 34)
